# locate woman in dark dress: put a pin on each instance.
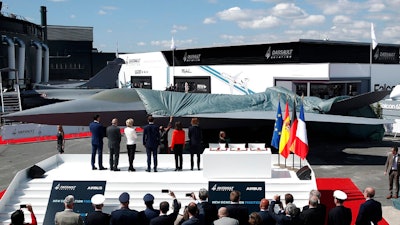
(164, 148)
(60, 139)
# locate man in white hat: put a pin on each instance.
(98, 217)
(340, 215)
(68, 216)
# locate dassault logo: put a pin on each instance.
(60, 187)
(253, 188)
(222, 188)
(279, 53)
(384, 55)
(192, 57)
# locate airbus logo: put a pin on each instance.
(253, 188)
(95, 188)
(222, 188)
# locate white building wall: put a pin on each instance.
(348, 70)
(256, 78)
(384, 76)
(144, 64)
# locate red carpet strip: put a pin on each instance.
(51, 138)
(354, 196)
(42, 138)
(2, 193)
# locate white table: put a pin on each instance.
(237, 163)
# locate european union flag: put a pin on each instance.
(277, 128)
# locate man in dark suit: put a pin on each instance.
(124, 215)
(192, 211)
(163, 218)
(370, 211)
(289, 217)
(114, 141)
(98, 133)
(312, 215)
(320, 207)
(391, 168)
(208, 212)
(97, 217)
(237, 211)
(151, 140)
(149, 213)
(266, 218)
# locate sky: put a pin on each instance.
(134, 26)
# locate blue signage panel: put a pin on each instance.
(250, 193)
(81, 190)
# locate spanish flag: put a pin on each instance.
(283, 147)
(293, 129)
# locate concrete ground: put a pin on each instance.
(361, 161)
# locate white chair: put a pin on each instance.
(216, 145)
(213, 145)
(256, 146)
(237, 146)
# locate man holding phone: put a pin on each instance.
(18, 216)
(164, 218)
(149, 213)
(208, 212)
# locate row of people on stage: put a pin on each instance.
(154, 137)
(201, 212)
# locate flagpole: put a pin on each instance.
(173, 47)
(287, 100)
(279, 155)
(294, 106)
(371, 48)
(302, 102)
(373, 45)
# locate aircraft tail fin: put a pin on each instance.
(107, 77)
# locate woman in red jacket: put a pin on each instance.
(177, 143)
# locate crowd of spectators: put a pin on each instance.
(200, 211)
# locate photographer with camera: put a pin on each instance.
(208, 212)
(289, 217)
(18, 218)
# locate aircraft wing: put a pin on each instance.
(311, 117)
(67, 94)
(128, 103)
(357, 102)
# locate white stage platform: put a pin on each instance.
(76, 167)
